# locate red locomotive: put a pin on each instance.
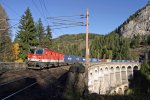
(42, 57)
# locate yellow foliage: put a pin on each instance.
(19, 60)
(16, 50)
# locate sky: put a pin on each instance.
(104, 15)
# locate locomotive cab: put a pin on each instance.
(35, 58)
(32, 50)
(35, 54)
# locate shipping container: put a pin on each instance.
(103, 60)
(108, 60)
(94, 60)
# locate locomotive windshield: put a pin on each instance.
(32, 51)
(39, 51)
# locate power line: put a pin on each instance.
(60, 19)
(61, 24)
(45, 6)
(37, 8)
(44, 15)
(67, 26)
(10, 27)
(71, 16)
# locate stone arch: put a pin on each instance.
(125, 89)
(123, 74)
(101, 69)
(118, 77)
(117, 69)
(112, 77)
(106, 70)
(96, 74)
(101, 77)
(115, 92)
(135, 68)
(96, 70)
(106, 78)
(101, 72)
(90, 75)
(111, 69)
(129, 72)
(123, 68)
(120, 91)
(135, 71)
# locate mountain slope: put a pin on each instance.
(138, 23)
(72, 44)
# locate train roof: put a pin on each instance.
(46, 49)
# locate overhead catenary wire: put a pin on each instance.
(44, 14)
(64, 22)
(45, 6)
(38, 9)
(66, 27)
(10, 27)
(61, 19)
(70, 16)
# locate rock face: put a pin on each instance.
(138, 23)
(75, 86)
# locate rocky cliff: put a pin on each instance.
(138, 23)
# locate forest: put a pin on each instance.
(34, 34)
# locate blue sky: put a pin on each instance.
(104, 15)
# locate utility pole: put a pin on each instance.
(87, 55)
(87, 47)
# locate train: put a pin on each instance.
(40, 58)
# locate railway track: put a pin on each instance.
(11, 88)
(26, 87)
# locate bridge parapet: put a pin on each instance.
(103, 77)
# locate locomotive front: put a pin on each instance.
(35, 55)
(35, 58)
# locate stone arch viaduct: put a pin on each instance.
(110, 77)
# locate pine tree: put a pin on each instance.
(48, 37)
(40, 33)
(26, 36)
(5, 40)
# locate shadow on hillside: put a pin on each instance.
(52, 90)
(1, 78)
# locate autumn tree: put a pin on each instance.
(16, 51)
